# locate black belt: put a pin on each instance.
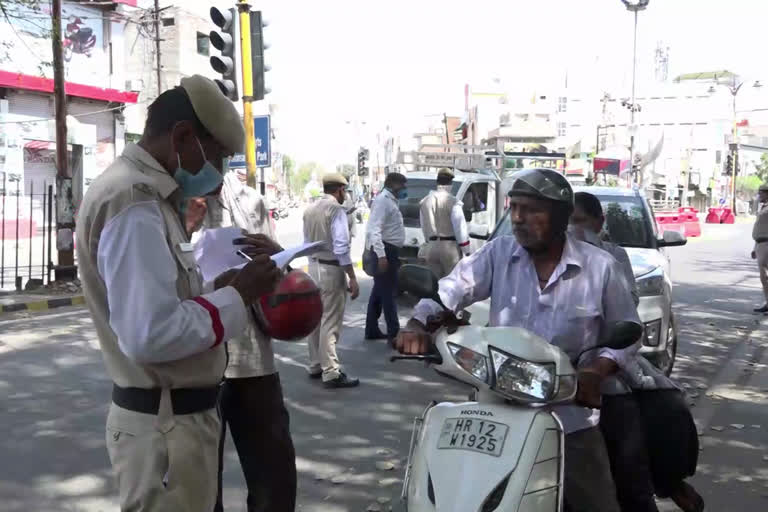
(183, 400)
(442, 238)
(334, 263)
(761, 240)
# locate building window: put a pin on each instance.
(561, 130)
(203, 44)
(169, 22)
(562, 104)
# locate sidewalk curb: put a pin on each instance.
(43, 305)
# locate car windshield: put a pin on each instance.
(418, 190)
(626, 221)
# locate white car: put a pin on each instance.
(631, 224)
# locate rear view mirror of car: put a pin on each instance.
(672, 239)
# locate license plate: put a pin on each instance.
(475, 435)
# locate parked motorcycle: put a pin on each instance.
(504, 450)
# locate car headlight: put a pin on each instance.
(652, 333)
(651, 283)
(523, 380)
(472, 362)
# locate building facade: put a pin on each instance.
(93, 41)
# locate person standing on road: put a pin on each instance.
(566, 291)
(445, 229)
(385, 236)
(326, 221)
(251, 400)
(161, 332)
(760, 236)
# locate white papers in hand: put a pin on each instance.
(215, 252)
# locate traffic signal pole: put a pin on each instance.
(247, 67)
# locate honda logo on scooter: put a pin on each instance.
(476, 412)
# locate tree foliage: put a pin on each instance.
(762, 167)
(301, 176)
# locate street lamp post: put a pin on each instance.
(634, 6)
(734, 87)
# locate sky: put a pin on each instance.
(393, 63)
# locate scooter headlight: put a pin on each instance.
(472, 362)
(523, 380)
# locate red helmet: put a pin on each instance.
(293, 310)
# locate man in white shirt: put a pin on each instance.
(385, 235)
(161, 332)
(251, 400)
(760, 236)
(445, 229)
(326, 221)
(563, 290)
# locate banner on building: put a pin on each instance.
(25, 42)
(609, 166)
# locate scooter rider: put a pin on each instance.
(562, 289)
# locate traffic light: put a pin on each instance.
(224, 41)
(362, 162)
(728, 165)
(258, 45)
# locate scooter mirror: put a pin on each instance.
(624, 334)
(418, 281)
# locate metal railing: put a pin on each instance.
(26, 232)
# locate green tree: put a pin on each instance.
(762, 167)
(303, 175)
(747, 185)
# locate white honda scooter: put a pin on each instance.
(503, 452)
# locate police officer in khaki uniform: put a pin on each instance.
(445, 229)
(326, 221)
(160, 327)
(760, 236)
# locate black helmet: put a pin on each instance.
(542, 184)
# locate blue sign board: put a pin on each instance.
(263, 150)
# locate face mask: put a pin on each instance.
(402, 193)
(204, 182)
(585, 235)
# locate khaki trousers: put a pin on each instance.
(761, 251)
(441, 256)
(332, 282)
(164, 466)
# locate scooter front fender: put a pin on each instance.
(525, 476)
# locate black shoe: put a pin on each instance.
(315, 375)
(763, 309)
(376, 336)
(342, 381)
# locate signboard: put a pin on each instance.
(25, 37)
(456, 160)
(262, 133)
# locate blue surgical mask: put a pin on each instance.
(401, 194)
(204, 182)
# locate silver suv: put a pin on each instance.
(630, 223)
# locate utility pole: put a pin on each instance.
(445, 122)
(157, 46)
(247, 67)
(65, 218)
